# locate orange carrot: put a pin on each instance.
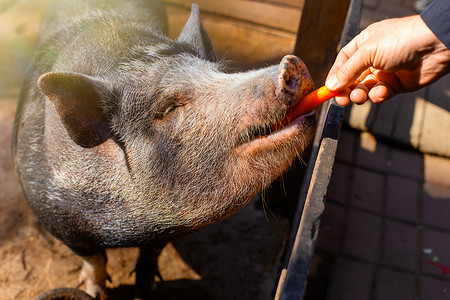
(307, 104)
(310, 101)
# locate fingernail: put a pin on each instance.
(332, 82)
(380, 94)
(358, 96)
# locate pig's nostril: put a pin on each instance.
(291, 83)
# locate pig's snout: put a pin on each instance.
(293, 81)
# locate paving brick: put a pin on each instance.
(384, 10)
(394, 285)
(391, 3)
(346, 147)
(366, 190)
(371, 153)
(331, 227)
(339, 183)
(409, 4)
(440, 93)
(435, 138)
(350, 280)
(395, 9)
(362, 235)
(370, 4)
(439, 244)
(356, 115)
(436, 206)
(437, 170)
(402, 198)
(383, 122)
(407, 163)
(408, 125)
(368, 17)
(400, 246)
(434, 289)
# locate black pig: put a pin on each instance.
(126, 138)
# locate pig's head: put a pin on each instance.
(195, 140)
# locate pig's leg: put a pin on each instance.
(94, 275)
(146, 269)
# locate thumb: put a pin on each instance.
(347, 68)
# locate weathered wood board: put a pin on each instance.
(248, 33)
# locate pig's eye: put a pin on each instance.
(164, 111)
(162, 114)
(169, 110)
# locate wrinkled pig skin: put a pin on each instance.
(125, 138)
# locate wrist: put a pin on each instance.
(428, 40)
(424, 38)
(428, 43)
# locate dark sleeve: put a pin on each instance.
(437, 18)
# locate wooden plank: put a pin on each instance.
(247, 45)
(266, 14)
(311, 203)
(319, 35)
(293, 3)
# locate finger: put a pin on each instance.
(390, 79)
(350, 64)
(381, 92)
(343, 98)
(343, 55)
(359, 93)
(361, 79)
(343, 101)
(341, 58)
(352, 69)
(365, 77)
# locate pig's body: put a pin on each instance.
(125, 138)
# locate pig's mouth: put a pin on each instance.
(291, 132)
(264, 137)
(262, 131)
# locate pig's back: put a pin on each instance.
(62, 11)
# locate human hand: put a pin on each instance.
(388, 57)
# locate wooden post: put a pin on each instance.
(319, 34)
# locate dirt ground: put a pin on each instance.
(235, 259)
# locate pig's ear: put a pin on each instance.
(78, 101)
(194, 34)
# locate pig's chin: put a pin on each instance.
(298, 130)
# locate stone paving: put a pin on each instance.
(385, 233)
(386, 224)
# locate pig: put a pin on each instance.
(126, 138)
